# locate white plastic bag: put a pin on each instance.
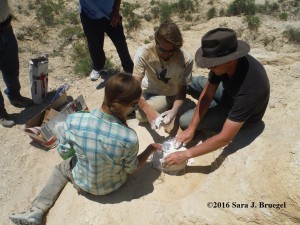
(168, 147)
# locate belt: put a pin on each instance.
(5, 24)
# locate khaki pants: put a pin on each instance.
(61, 175)
(160, 104)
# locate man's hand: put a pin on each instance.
(168, 116)
(185, 136)
(115, 20)
(175, 158)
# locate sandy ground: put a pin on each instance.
(261, 165)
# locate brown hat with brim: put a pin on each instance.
(220, 46)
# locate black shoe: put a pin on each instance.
(6, 122)
(21, 102)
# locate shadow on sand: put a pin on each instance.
(244, 138)
(28, 113)
(105, 75)
(137, 186)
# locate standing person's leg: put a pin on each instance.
(10, 68)
(117, 36)
(10, 63)
(47, 197)
(94, 32)
(4, 118)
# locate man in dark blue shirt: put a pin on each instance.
(242, 97)
(99, 17)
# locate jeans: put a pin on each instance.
(217, 112)
(9, 62)
(94, 31)
(61, 175)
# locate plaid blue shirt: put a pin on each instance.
(106, 150)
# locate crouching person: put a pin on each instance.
(105, 149)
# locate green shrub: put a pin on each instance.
(291, 5)
(127, 9)
(165, 11)
(155, 11)
(72, 17)
(238, 7)
(268, 40)
(188, 17)
(268, 8)
(32, 32)
(133, 23)
(211, 13)
(283, 16)
(153, 2)
(110, 66)
(83, 66)
(253, 22)
(47, 12)
(296, 3)
(31, 5)
(83, 62)
(273, 7)
(293, 34)
(81, 57)
(222, 12)
(261, 8)
(185, 6)
(133, 20)
(147, 17)
(69, 32)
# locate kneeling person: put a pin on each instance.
(242, 98)
(164, 71)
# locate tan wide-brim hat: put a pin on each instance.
(220, 46)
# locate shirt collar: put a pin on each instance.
(101, 115)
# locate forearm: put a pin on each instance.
(142, 158)
(117, 5)
(180, 97)
(210, 145)
(203, 104)
(201, 109)
(229, 131)
(177, 104)
(143, 104)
